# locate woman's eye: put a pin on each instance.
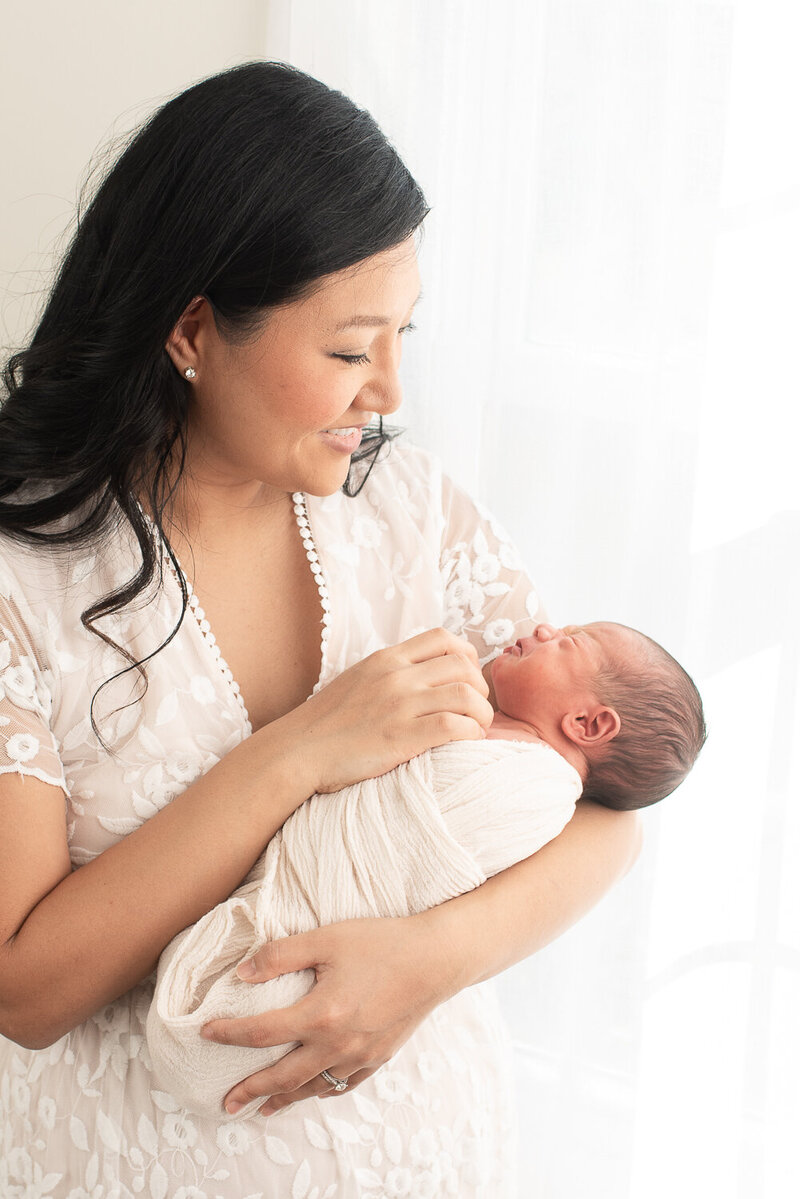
(364, 359)
(353, 359)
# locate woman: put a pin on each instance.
(226, 325)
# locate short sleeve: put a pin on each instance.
(488, 597)
(27, 744)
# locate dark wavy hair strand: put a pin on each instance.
(248, 188)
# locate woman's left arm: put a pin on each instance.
(377, 979)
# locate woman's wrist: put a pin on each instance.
(291, 753)
(447, 960)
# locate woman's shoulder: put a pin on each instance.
(45, 575)
(25, 568)
(32, 564)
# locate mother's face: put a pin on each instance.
(286, 409)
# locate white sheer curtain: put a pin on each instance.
(606, 356)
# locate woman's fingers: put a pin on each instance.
(375, 981)
(282, 956)
(447, 684)
(394, 705)
(318, 1087)
(459, 698)
(433, 643)
(449, 668)
(367, 720)
(296, 1076)
(277, 1087)
(256, 1032)
(441, 728)
(294, 1070)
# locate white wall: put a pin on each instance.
(73, 75)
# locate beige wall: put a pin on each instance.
(74, 73)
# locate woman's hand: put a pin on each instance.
(395, 704)
(378, 978)
(376, 981)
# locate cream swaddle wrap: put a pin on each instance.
(429, 830)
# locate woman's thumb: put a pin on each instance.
(283, 956)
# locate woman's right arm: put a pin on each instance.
(72, 941)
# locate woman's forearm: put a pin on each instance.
(70, 942)
(522, 909)
(100, 929)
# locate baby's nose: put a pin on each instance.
(546, 632)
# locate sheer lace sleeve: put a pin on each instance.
(27, 745)
(488, 596)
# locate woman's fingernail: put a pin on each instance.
(246, 969)
(207, 1032)
(267, 1111)
(233, 1106)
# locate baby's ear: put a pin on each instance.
(591, 727)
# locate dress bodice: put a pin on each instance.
(84, 1117)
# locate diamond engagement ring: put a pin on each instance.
(338, 1084)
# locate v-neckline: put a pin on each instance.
(303, 524)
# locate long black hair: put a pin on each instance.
(246, 189)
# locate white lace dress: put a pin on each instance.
(84, 1119)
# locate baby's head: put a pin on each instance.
(616, 704)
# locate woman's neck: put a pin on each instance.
(207, 504)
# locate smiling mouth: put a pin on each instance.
(348, 432)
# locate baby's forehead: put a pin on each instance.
(620, 642)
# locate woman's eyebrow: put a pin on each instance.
(368, 322)
(361, 322)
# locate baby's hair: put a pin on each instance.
(662, 731)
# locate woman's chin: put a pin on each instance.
(326, 482)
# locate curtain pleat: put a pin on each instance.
(606, 355)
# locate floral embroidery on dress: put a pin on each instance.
(472, 572)
(21, 747)
(84, 1119)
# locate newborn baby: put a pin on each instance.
(615, 704)
(598, 708)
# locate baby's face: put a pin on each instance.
(554, 671)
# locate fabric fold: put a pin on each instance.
(431, 829)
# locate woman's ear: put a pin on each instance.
(591, 727)
(185, 343)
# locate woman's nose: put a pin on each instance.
(383, 393)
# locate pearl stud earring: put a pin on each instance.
(190, 373)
